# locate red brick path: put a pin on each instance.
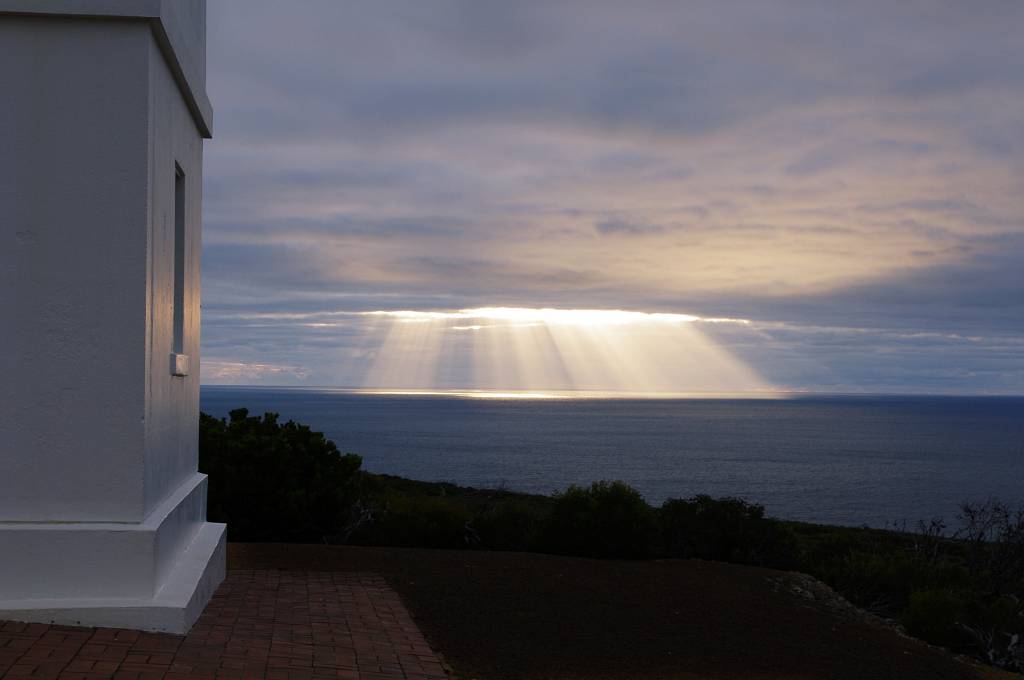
(260, 624)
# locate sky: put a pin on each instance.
(831, 193)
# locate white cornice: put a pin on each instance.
(181, 39)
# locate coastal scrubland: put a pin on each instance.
(960, 586)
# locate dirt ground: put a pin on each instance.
(524, 616)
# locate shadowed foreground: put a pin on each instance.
(499, 615)
(260, 625)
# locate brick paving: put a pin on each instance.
(260, 624)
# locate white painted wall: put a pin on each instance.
(89, 147)
(172, 404)
(74, 147)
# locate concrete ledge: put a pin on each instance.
(199, 571)
(174, 608)
(102, 559)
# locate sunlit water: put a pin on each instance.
(843, 460)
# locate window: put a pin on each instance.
(179, 261)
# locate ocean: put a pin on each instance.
(850, 460)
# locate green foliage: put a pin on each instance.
(935, 616)
(417, 521)
(725, 529)
(274, 482)
(960, 589)
(993, 536)
(397, 511)
(606, 519)
(996, 629)
(512, 524)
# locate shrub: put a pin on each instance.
(416, 522)
(935, 615)
(885, 582)
(993, 534)
(512, 524)
(962, 590)
(606, 519)
(996, 631)
(274, 482)
(726, 529)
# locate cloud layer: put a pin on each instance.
(847, 177)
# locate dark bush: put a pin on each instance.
(417, 522)
(725, 529)
(935, 616)
(882, 581)
(993, 534)
(962, 589)
(606, 519)
(996, 631)
(512, 524)
(274, 482)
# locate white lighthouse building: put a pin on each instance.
(103, 112)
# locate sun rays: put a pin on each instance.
(515, 350)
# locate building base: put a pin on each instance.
(173, 610)
(156, 575)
